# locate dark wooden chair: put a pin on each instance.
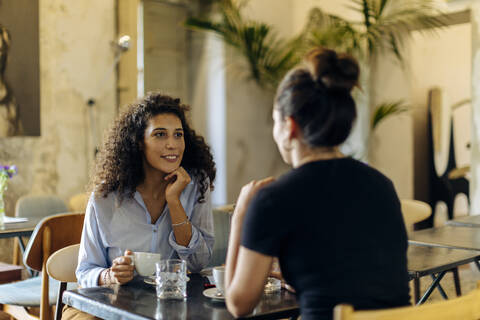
(51, 234)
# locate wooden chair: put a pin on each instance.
(462, 308)
(51, 234)
(36, 206)
(414, 211)
(61, 266)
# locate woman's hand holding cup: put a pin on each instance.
(122, 268)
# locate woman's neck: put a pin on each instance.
(153, 185)
(306, 154)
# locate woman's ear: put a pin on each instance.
(292, 128)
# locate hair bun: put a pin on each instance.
(334, 71)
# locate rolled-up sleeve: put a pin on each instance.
(92, 257)
(199, 250)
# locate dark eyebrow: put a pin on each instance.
(177, 129)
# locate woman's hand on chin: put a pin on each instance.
(177, 181)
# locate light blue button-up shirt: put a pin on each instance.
(110, 228)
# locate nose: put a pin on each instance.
(170, 144)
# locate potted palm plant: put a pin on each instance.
(384, 28)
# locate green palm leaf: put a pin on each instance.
(268, 57)
(388, 23)
(387, 109)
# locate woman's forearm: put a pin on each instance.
(232, 252)
(246, 271)
(182, 228)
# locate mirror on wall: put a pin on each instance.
(19, 68)
(441, 116)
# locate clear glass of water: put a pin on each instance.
(171, 279)
(273, 285)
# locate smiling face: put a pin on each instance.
(163, 143)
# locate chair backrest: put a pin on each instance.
(221, 225)
(466, 307)
(414, 211)
(51, 234)
(61, 266)
(39, 206)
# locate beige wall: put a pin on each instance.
(251, 152)
(302, 8)
(75, 55)
(274, 12)
(391, 143)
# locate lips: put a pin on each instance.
(171, 157)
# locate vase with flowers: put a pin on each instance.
(6, 172)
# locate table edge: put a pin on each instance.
(109, 310)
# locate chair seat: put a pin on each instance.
(27, 293)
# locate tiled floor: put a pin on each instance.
(469, 275)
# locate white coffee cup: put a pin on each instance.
(145, 262)
(219, 278)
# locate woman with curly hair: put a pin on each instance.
(151, 192)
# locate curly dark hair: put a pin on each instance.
(119, 165)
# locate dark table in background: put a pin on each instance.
(467, 221)
(19, 230)
(436, 262)
(448, 237)
(138, 300)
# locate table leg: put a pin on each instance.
(440, 288)
(22, 248)
(456, 280)
(416, 288)
(477, 264)
(430, 289)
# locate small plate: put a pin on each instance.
(152, 281)
(206, 272)
(212, 294)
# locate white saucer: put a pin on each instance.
(150, 281)
(212, 294)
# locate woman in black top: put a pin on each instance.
(333, 222)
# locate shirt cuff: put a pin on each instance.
(190, 248)
(91, 278)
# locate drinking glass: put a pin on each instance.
(273, 285)
(171, 279)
